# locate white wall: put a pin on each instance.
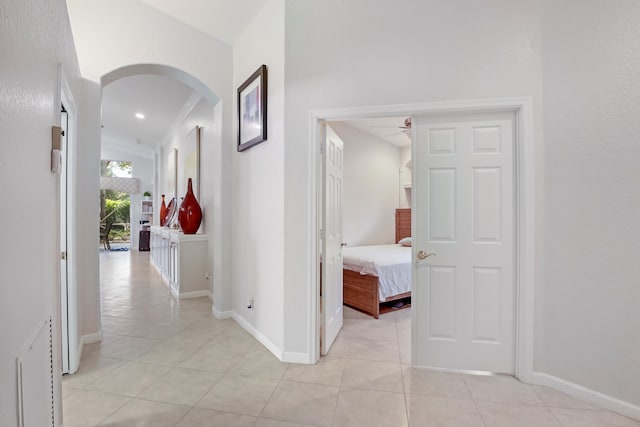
(29, 106)
(258, 185)
(147, 36)
(216, 218)
(586, 293)
(142, 169)
(87, 210)
(371, 187)
(592, 153)
(362, 52)
(405, 193)
(208, 117)
(202, 114)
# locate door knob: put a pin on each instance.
(424, 255)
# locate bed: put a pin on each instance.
(378, 274)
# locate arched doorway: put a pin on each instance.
(215, 158)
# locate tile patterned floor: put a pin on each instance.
(169, 363)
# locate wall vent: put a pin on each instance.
(35, 380)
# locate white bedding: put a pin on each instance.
(391, 263)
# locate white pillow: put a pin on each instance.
(406, 241)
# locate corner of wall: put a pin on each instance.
(87, 198)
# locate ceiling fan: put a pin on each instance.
(406, 128)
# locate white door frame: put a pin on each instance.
(525, 208)
(66, 98)
(64, 270)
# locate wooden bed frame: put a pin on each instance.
(361, 291)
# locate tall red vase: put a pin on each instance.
(163, 211)
(190, 214)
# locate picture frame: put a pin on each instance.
(252, 110)
(191, 161)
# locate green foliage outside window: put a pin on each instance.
(115, 205)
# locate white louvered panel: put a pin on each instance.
(35, 380)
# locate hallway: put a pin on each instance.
(169, 363)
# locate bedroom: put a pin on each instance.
(376, 198)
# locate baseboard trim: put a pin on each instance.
(293, 357)
(196, 294)
(288, 357)
(84, 339)
(258, 335)
(221, 314)
(74, 369)
(91, 338)
(602, 400)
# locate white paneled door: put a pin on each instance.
(332, 239)
(464, 243)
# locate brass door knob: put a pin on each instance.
(424, 255)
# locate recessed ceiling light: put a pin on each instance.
(140, 115)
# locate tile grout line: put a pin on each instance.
(335, 406)
(473, 399)
(116, 410)
(545, 405)
(402, 370)
(269, 399)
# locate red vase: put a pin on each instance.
(163, 211)
(190, 214)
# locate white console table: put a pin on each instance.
(181, 259)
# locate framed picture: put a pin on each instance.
(252, 110)
(191, 162)
(172, 174)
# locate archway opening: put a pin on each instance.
(197, 106)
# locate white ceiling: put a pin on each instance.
(160, 99)
(222, 19)
(385, 128)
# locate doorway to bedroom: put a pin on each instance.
(367, 178)
(472, 183)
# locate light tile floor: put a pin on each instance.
(169, 363)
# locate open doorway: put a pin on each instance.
(147, 111)
(115, 208)
(439, 144)
(366, 216)
(376, 208)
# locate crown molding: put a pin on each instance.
(182, 115)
